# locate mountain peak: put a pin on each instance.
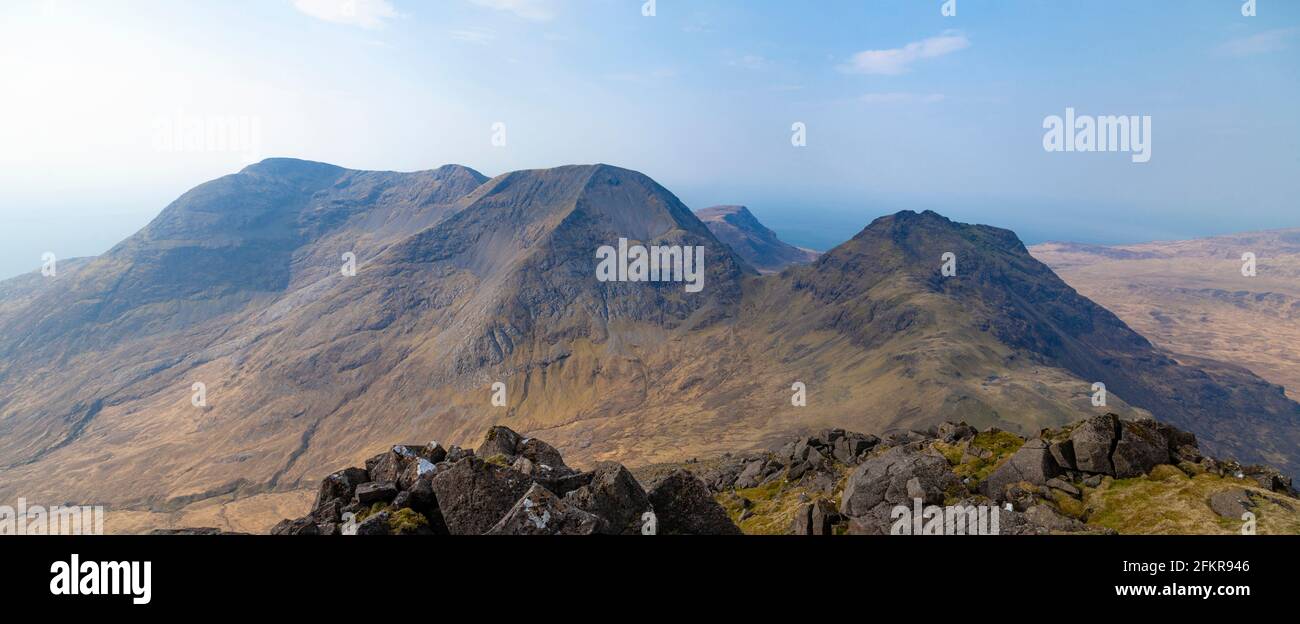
(291, 167)
(736, 226)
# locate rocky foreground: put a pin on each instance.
(1101, 475)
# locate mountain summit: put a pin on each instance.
(751, 240)
(477, 301)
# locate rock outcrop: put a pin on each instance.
(510, 485)
(944, 480)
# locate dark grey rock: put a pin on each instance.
(1032, 463)
(1140, 448)
(1093, 440)
(473, 495)
(683, 505)
(614, 496)
(539, 512)
(373, 492)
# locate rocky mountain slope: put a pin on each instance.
(1101, 475)
(752, 241)
(1191, 297)
(463, 284)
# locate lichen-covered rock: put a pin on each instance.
(374, 492)
(615, 496)
(1141, 447)
(340, 486)
(1093, 441)
(387, 466)
(1032, 463)
(543, 455)
(375, 524)
(1063, 454)
(815, 518)
(683, 505)
(1231, 503)
(499, 440)
(474, 495)
(540, 512)
(885, 477)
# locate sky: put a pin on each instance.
(902, 107)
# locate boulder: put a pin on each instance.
(815, 518)
(373, 492)
(539, 512)
(1093, 440)
(434, 452)
(614, 496)
(329, 512)
(1063, 454)
(954, 432)
(542, 454)
(419, 467)
(388, 466)
(1140, 448)
(1269, 478)
(563, 481)
(683, 505)
(1052, 520)
(1033, 464)
(751, 476)
(885, 478)
(1231, 503)
(375, 524)
(473, 495)
(456, 453)
(499, 440)
(340, 486)
(1058, 484)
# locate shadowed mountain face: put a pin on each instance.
(462, 283)
(751, 240)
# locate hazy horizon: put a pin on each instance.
(904, 108)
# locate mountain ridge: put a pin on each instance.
(495, 283)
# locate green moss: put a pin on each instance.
(406, 521)
(951, 452)
(374, 509)
(499, 459)
(775, 503)
(1069, 505)
(1000, 445)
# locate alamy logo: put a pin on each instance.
(54, 520)
(1108, 133)
(922, 519)
(101, 578)
(658, 263)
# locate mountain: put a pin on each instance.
(463, 283)
(751, 240)
(1191, 298)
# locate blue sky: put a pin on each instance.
(904, 108)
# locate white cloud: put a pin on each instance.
(536, 10)
(896, 61)
(1262, 43)
(902, 98)
(363, 13)
(480, 36)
